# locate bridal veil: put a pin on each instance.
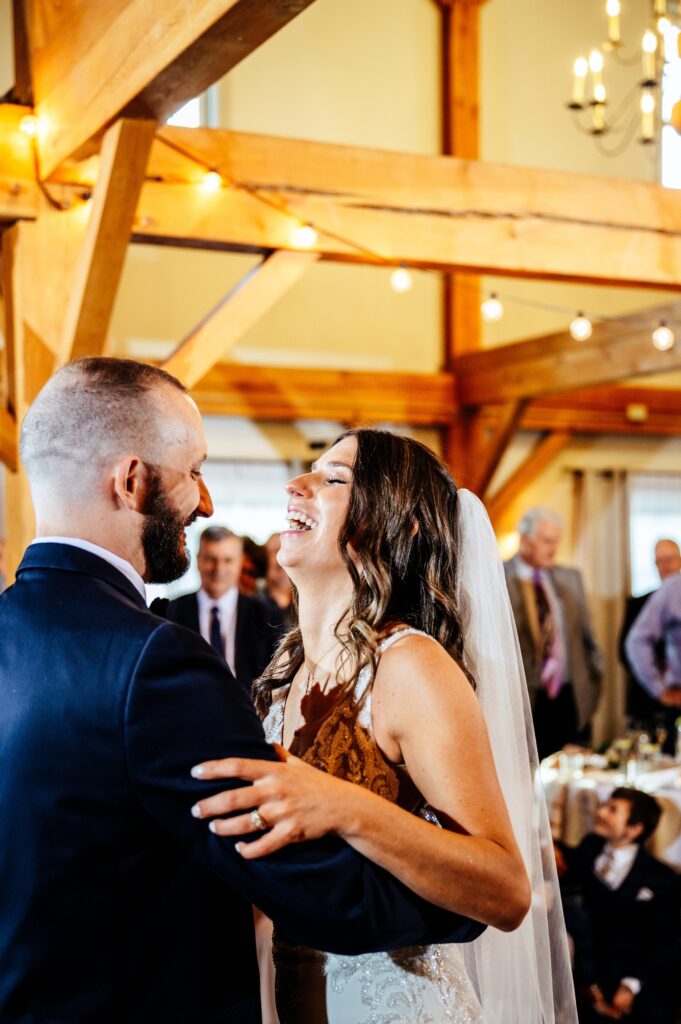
(524, 976)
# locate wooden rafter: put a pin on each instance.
(618, 410)
(123, 160)
(616, 351)
(245, 304)
(537, 461)
(489, 455)
(285, 393)
(92, 63)
(430, 211)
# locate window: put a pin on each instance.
(671, 93)
(201, 111)
(248, 497)
(654, 513)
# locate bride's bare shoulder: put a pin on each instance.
(417, 657)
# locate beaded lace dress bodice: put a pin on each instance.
(420, 984)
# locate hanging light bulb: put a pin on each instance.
(492, 309)
(581, 328)
(400, 280)
(211, 182)
(663, 337)
(29, 125)
(304, 236)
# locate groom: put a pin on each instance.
(116, 905)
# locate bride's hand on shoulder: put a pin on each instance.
(295, 802)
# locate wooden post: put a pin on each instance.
(29, 363)
(460, 137)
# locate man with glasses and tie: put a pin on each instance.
(563, 664)
(243, 629)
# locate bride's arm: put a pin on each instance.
(426, 714)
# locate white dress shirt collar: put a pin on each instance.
(621, 862)
(119, 563)
(525, 570)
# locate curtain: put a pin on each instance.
(600, 542)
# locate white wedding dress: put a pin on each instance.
(419, 985)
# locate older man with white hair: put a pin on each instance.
(563, 663)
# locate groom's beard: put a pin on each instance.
(166, 554)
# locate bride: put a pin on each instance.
(403, 679)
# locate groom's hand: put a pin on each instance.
(289, 799)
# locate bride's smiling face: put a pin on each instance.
(317, 509)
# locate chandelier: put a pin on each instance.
(653, 103)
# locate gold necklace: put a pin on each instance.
(310, 681)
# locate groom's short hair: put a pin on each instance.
(93, 410)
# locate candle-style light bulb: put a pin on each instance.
(613, 9)
(647, 116)
(580, 68)
(648, 47)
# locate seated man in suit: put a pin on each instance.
(641, 706)
(625, 923)
(563, 664)
(117, 906)
(243, 629)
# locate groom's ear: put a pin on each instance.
(129, 483)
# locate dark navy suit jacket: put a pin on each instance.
(116, 905)
(635, 930)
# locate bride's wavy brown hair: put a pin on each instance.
(401, 528)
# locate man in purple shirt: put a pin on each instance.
(659, 624)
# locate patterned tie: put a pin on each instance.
(215, 634)
(549, 640)
(607, 861)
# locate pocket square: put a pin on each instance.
(645, 894)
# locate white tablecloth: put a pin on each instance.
(572, 800)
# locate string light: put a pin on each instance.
(492, 309)
(581, 328)
(212, 182)
(400, 280)
(663, 337)
(304, 236)
(29, 126)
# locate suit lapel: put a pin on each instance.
(636, 878)
(241, 653)
(193, 613)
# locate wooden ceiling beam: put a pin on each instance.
(435, 212)
(92, 63)
(617, 410)
(286, 393)
(123, 160)
(245, 304)
(617, 350)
